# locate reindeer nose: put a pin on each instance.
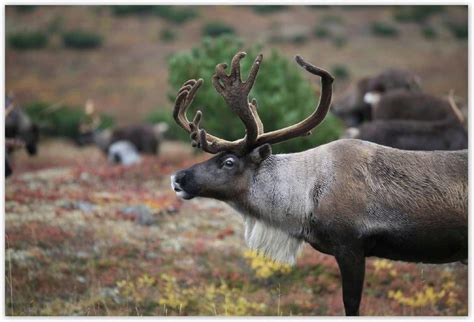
(180, 178)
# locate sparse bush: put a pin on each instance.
(79, 39)
(383, 29)
(299, 39)
(217, 28)
(25, 8)
(284, 95)
(458, 30)
(61, 121)
(340, 71)
(28, 40)
(167, 35)
(418, 14)
(429, 32)
(176, 14)
(321, 32)
(268, 9)
(131, 10)
(339, 41)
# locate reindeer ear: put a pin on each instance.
(260, 153)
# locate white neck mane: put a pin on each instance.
(276, 217)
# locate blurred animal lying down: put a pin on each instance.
(354, 106)
(124, 153)
(412, 134)
(145, 137)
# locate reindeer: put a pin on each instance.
(18, 125)
(354, 107)
(445, 134)
(20, 132)
(145, 137)
(414, 121)
(349, 198)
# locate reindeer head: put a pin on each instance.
(227, 175)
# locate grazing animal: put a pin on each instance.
(350, 198)
(18, 125)
(146, 138)
(354, 107)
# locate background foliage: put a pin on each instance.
(284, 95)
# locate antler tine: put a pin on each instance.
(254, 109)
(199, 137)
(304, 127)
(11, 106)
(235, 92)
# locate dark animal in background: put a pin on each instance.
(20, 132)
(445, 134)
(145, 137)
(350, 198)
(18, 125)
(403, 105)
(354, 107)
(413, 121)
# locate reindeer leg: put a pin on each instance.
(352, 266)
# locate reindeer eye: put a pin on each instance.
(229, 163)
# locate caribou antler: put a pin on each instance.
(235, 93)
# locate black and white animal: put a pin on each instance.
(350, 198)
(124, 153)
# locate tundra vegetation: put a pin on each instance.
(122, 243)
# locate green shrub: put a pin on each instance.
(28, 40)
(24, 8)
(383, 29)
(340, 71)
(217, 28)
(429, 32)
(418, 14)
(284, 95)
(268, 9)
(60, 121)
(131, 10)
(321, 32)
(177, 14)
(458, 29)
(79, 39)
(167, 35)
